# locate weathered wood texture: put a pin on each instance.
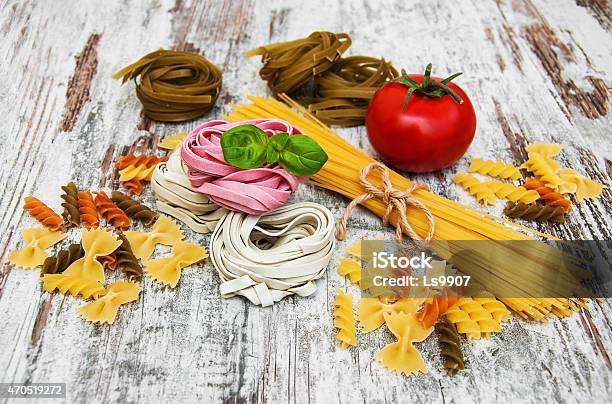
(536, 71)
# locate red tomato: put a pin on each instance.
(428, 134)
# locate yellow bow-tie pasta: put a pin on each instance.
(165, 231)
(37, 240)
(371, 310)
(95, 242)
(105, 308)
(401, 356)
(168, 270)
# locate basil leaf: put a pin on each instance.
(302, 156)
(275, 145)
(244, 146)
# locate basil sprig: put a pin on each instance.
(247, 146)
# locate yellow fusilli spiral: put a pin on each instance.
(543, 169)
(498, 310)
(547, 150)
(344, 320)
(494, 169)
(512, 192)
(472, 319)
(476, 188)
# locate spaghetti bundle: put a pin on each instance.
(453, 220)
(174, 86)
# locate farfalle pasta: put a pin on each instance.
(105, 308)
(83, 274)
(111, 212)
(401, 356)
(476, 188)
(547, 150)
(37, 240)
(371, 310)
(350, 269)
(72, 285)
(494, 169)
(44, 214)
(164, 231)
(168, 270)
(506, 190)
(344, 319)
(354, 250)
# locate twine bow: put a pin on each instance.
(394, 199)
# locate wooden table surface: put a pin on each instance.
(535, 70)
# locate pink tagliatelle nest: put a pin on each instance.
(253, 191)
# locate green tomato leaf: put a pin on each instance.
(244, 146)
(302, 156)
(275, 145)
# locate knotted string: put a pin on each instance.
(394, 199)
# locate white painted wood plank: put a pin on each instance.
(188, 344)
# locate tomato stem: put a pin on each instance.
(428, 88)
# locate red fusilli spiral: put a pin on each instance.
(44, 214)
(87, 209)
(143, 159)
(436, 309)
(133, 186)
(108, 261)
(548, 195)
(111, 212)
